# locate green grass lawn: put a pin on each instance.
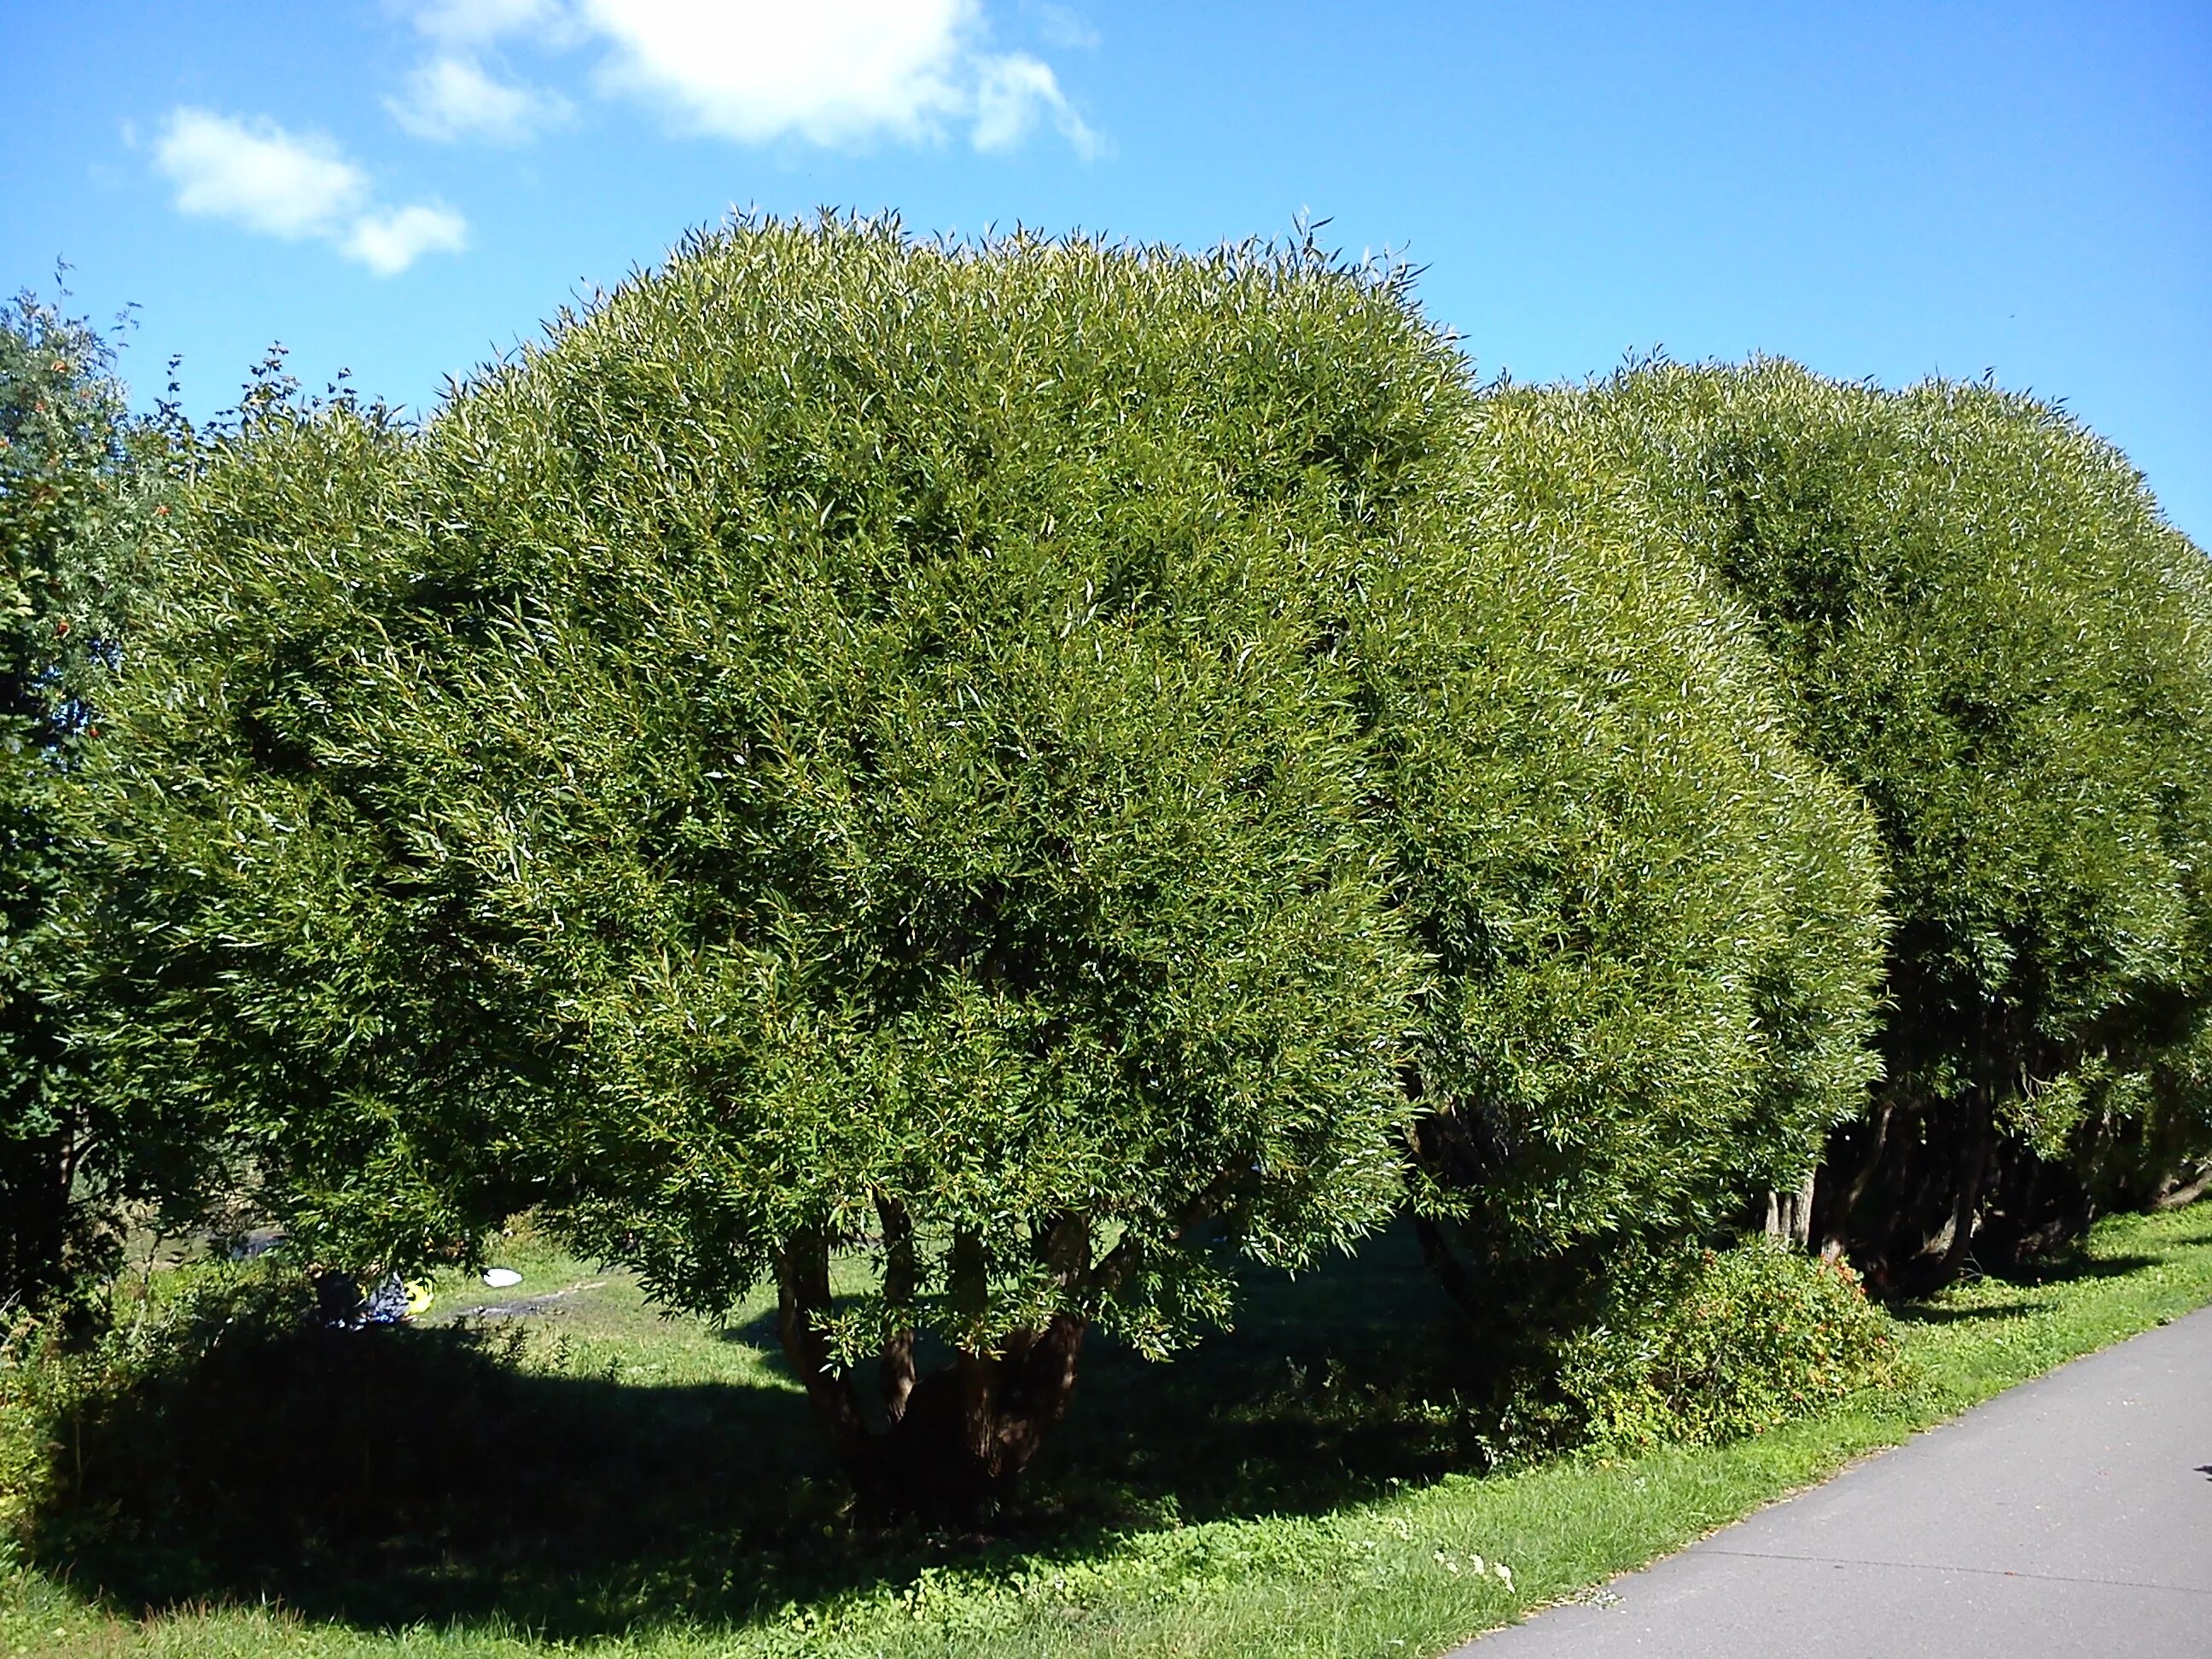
(587, 1475)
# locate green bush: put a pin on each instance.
(848, 744)
(1653, 921)
(1719, 1346)
(1993, 637)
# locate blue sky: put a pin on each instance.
(404, 187)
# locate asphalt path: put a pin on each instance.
(2070, 1516)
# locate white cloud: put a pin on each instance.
(450, 98)
(1010, 93)
(391, 239)
(278, 183)
(833, 71)
(293, 186)
(827, 71)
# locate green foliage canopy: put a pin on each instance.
(81, 480)
(1656, 922)
(1994, 637)
(842, 746)
(1023, 761)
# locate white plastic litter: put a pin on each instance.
(499, 1277)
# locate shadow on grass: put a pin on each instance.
(2068, 1265)
(2072, 1266)
(389, 1477)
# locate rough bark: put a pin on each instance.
(802, 1299)
(1966, 1205)
(1922, 1186)
(1789, 1215)
(972, 1427)
(2184, 1191)
(1854, 1156)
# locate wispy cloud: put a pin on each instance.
(293, 186)
(1064, 26)
(835, 72)
(1011, 92)
(451, 98)
(389, 241)
(478, 23)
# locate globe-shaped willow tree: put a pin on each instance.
(1017, 770)
(841, 749)
(1988, 631)
(1653, 921)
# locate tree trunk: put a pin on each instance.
(2180, 1193)
(896, 1365)
(802, 1284)
(951, 1442)
(1967, 1206)
(1837, 1197)
(1789, 1215)
(35, 1176)
(970, 1428)
(1450, 1272)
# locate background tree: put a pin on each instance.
(836, 767)
(80, 480)
(1993, 635)
(1655, 922)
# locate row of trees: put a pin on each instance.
(1045, 766)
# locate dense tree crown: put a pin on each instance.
(1021, 756)
(1993, 637)
(845, 744)
(1017, 771)
(1653, 921)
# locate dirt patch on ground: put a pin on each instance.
(521, 1305)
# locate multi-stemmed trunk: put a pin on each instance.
(947, 1443)
(1901, 1192)
(1928, 1183)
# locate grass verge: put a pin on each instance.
(627, 1485)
